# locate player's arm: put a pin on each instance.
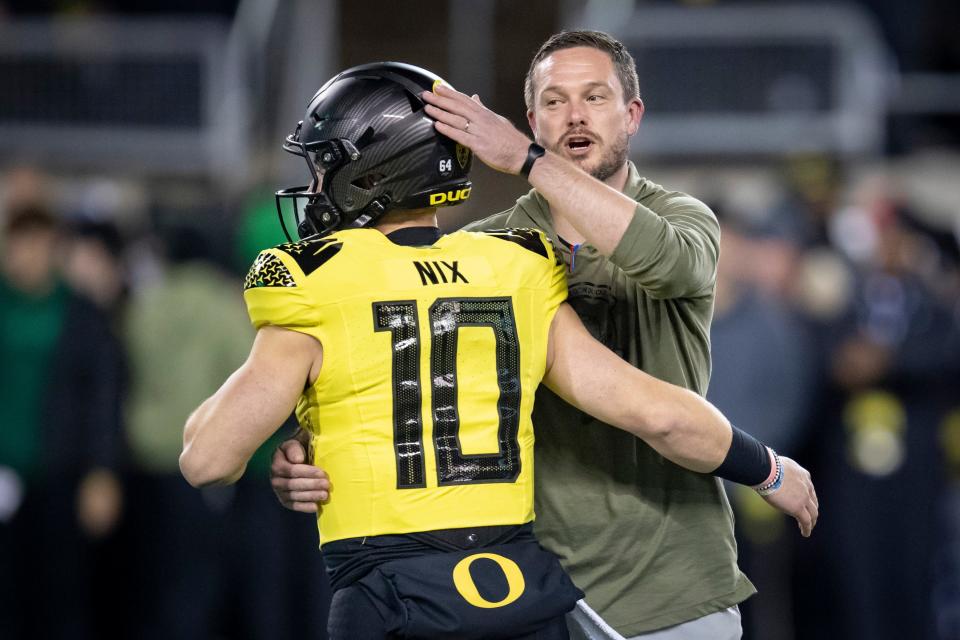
(679, 424)
(225, 431)
(676, 422)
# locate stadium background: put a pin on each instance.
(825, 135)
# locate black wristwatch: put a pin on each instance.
(534, 151)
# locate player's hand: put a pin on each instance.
(99, 502)
(299, 486)
(491, 137)
(796, 497)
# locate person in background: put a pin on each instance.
(185, 332)
(93, 264)
(61, 387)
(886, 414)
(764, 376)
(181, 323)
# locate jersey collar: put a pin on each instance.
(415, 236)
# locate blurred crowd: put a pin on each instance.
(836, 339)
(109, 337)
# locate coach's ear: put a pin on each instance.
(634, 115)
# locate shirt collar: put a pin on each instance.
(634, 184)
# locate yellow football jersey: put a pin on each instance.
(431, 358)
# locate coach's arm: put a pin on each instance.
(670, 244)
(224, 432)
(682, 426)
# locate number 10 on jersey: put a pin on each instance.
(446, 316)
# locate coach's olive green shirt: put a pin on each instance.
(650, 543)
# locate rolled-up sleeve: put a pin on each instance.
(671, 247)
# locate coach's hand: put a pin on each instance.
(490, 136)
(299, 486)
(796, 496)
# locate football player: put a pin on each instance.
(412, 359)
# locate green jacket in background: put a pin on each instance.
(650, 543)
(185, 336)
(30, 329)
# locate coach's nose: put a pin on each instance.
(577, 114)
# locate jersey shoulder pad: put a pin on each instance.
(310, 255)
(268, 270)
(530, 239)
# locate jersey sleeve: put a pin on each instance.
(275, 293)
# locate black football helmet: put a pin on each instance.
(372, 148)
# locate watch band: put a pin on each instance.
(534, 151)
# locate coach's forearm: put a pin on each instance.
(599, 212)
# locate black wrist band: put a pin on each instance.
(747, 461)
(534, 151)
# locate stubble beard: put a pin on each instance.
(611, 160)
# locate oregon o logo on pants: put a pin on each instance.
(463, 581)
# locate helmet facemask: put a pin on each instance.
(318, 215)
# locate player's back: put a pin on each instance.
(431, 358)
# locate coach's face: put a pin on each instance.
(579, 111)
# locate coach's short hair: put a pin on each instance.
(623, 62)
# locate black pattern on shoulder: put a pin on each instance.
(530, 239)
(268, 271)
(312, 254)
